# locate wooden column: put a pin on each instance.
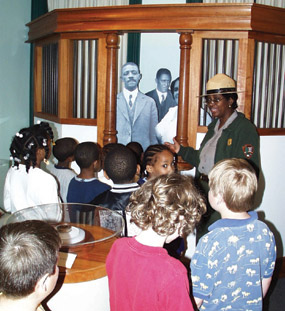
(38, 67)
(65, 81)
(245, 74)
(110, 132)
(185, 41)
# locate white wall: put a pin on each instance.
(14, 70)
(272, 151)
(14, 76)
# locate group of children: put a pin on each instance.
(27, 184)
(233, 264)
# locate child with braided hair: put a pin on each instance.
(26, 184)
(157, 160)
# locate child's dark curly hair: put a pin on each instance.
(27, 141)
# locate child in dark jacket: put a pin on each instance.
(85, 187)
(121, 167)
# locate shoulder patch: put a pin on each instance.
(248, 150)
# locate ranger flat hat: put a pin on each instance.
(220, 84)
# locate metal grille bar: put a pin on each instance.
(50, 78)
(268, 100)
(85, 79)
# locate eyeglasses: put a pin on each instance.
(214, 100)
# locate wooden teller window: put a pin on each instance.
(76, 61)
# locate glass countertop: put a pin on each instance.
(77, 224)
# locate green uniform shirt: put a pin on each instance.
(239, 140)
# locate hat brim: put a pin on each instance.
(220, 93)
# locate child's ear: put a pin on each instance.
(219, 199)
(40, 154)
(138, 172)
(105, 175)
(149, 168)
(41, 284)
(97, 165)
(71, 158)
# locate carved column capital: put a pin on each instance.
(185, 40)
(112, 40)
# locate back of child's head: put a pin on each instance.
(166, 203)
(150, 156)
(121, 165)
(28, 251)
(86, 153)
(27, 141)
(137, 149)
(64, 148)
(106, 149)
(235, 180)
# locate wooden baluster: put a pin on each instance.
(183, 99)
(110, 132)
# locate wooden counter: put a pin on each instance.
(90, 261)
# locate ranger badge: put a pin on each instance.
(248, 150)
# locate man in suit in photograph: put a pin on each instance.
(162, 95)
(136, 112)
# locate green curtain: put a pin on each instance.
(38, 8)
(134, 43)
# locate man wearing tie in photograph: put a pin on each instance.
(136, 112)
(162, 95)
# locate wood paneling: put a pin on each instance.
(37, 79)
(65, 79)
(245, 74)
(161, 18)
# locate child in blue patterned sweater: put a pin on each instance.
(233, 264)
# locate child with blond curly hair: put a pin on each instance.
(142, 276)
